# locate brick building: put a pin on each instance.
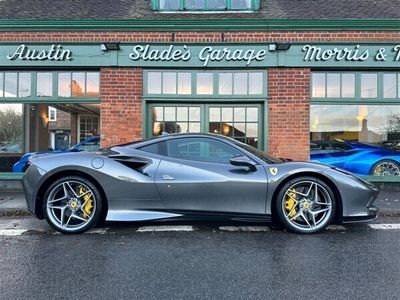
(277, 74)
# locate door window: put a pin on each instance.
(196, 149)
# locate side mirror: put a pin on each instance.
(243, 161)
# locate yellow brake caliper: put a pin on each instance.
(87, 199)
(289, 203)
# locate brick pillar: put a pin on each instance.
(121, 105)
(289, 112)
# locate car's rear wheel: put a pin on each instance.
(386, 168)
(72, 204)
(306, 205)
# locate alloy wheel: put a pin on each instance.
(307, 206)
(387, 168)
(71, 205)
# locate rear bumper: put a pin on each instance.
(31, 183)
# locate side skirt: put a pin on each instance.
(147, 215)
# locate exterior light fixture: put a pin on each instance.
(279, 47)
(109, 46)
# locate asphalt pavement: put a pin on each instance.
(200, 261)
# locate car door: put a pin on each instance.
(195, 175)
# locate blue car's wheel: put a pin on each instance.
(386, 168)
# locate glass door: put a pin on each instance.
(243, 122)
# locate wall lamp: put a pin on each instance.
(109, 47)
(279, 46)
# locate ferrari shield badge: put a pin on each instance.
(273, 171)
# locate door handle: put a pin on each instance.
(167, 177)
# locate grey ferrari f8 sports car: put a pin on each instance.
(192, 176)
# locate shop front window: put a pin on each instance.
(364, 139)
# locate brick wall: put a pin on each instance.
(121, 88)
(289, 112)
(121, 105)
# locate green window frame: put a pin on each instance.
(229, 5)
(169, 89)
(204, 121)
(386, 89)
(31, 94)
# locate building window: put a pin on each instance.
(238, 84)
(205, 5)
(241, 121)
(355, 86)
(52, 114)
(78, 84)
(88, 126)
(15, 84)
(355, 121)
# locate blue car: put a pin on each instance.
(358, 158)
(90, 144)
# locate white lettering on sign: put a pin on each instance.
(313, 53)
(208, 54)
(145, 53)
(397, 50)
(56, 53)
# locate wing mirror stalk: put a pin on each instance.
(244, 161)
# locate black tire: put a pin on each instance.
(50, 214)
(395, 164)
(284, 216)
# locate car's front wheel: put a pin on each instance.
(72, 204)
(306, 205)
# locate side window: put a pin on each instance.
(159, 148)
(201, 149)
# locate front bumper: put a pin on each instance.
(372, 214)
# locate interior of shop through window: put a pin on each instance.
(39, 116)
(355, 121)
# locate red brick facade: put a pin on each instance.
(121, 105)
(288, 88)
(289, 112)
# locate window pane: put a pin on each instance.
(195, 4)
(11, 134)
(241, 4)
(194, 127)
(64, 84)
(194, 113)
(24, 82)
(44, 84)
(239, 130)
(348, 85)
(215, 115)
(169, 83)
(239, 114)
(389, 86)
(154, 83)
(169, 4)
(169, 114)
(92, 84)
(182, 114)
(225, 83)
(369, 84)
(252, 114)
(318, 85)
(216, 4)
(240, 83)
(255, 83)
(1, 84)
(227, 114)
(158, 113)
(204, 83)
(252, 130)
(78, 84)
(11, 84)
(333, 85)
(184, 83)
